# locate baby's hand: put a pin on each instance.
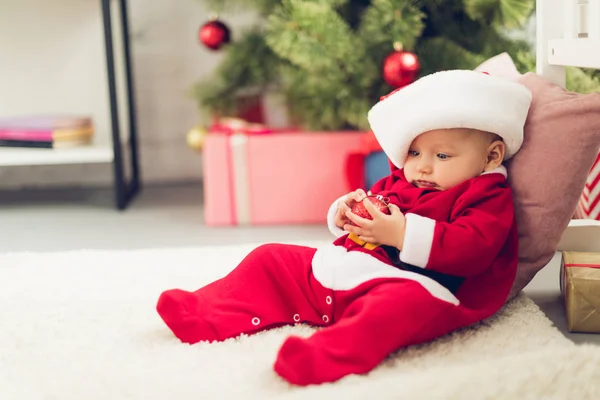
(382, 229)
(346, 204)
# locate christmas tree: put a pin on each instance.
(328, 56)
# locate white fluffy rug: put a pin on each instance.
(82, 325)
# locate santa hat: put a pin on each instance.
(450, 99)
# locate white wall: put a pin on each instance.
(52, 60)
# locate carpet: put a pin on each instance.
(82, 325)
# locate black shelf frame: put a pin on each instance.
(125, 190)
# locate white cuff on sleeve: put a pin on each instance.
(336, 231)
(418, 239)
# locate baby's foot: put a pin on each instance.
(298, 362)
(180, 310)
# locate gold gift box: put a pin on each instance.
(580, 286)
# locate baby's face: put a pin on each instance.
(444, 158)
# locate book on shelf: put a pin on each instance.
(35, 144)
(46, 122)
(46, 131)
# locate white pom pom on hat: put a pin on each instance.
(450, 99)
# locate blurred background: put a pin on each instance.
(183, 123)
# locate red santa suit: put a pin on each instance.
(456, 267)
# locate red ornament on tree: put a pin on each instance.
(380, 202)
(400, 67)
(214, 34)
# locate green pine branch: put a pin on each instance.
(320, 105)
(389, 21)
(581, 81)
(312, 36)
(333, 72)
(330, 3)
(249, 64)
(263, 7)
(440, 53)
(500, 13)
(449, 20)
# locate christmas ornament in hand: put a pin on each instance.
(400, 67)
(214, 34)
(380, 202)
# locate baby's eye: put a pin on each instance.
(413, 153)
(443, 156)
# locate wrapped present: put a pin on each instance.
(580, 286)
(377, 166)
(589, 202)
(255, 175)
(255, 105)
(368, 164)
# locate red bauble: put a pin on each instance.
(381, 203)
(400, 68)
(214, 34)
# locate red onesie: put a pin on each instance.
(456, 268)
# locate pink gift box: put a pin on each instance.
(275, 177)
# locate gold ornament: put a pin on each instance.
(195, 137)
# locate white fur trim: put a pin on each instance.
(338, 269)
(501, 66)
(500, 170)
(418, 239)
(336, 231)
(450, 99)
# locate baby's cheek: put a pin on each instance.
(408, 172)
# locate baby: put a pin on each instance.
(443, 259)
(438, 159)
